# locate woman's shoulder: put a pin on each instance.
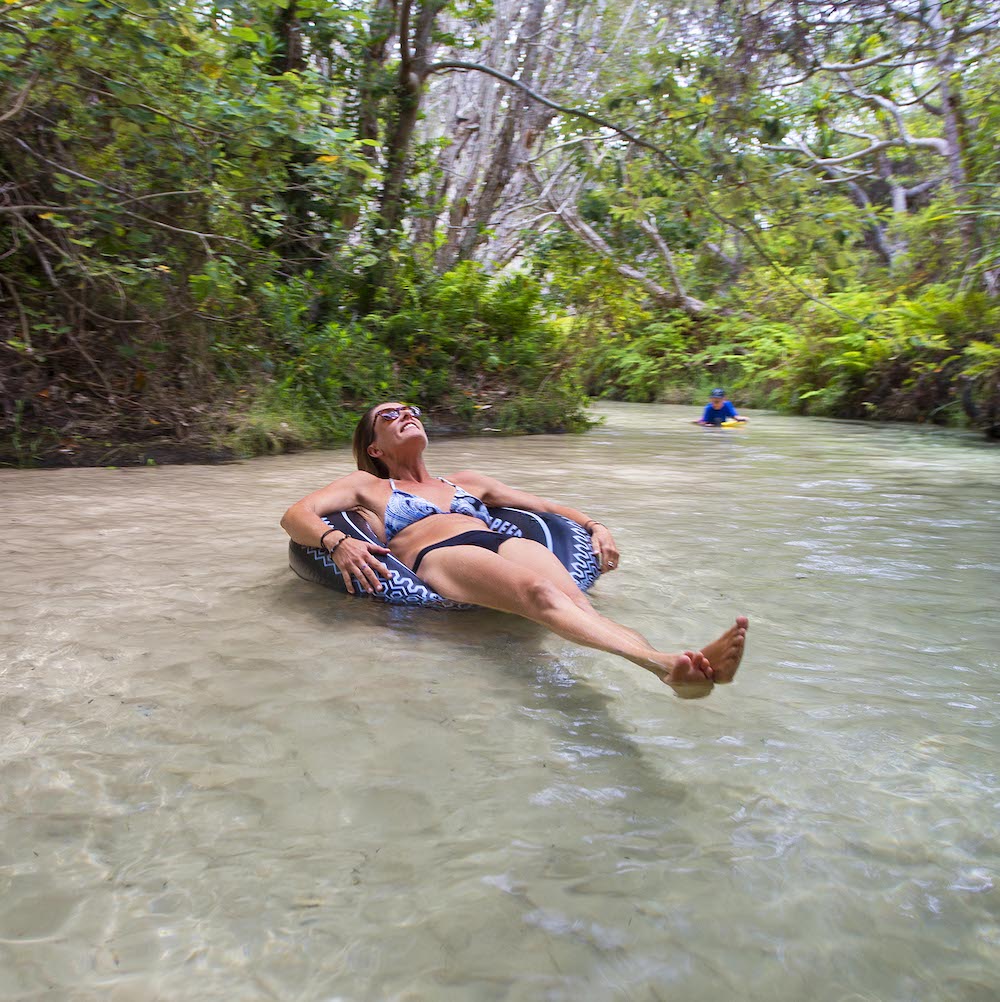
(479, 484)
(464, 477)
(359, 482)
(356, 479)
(369, 484)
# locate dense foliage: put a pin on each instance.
(230, 228)
(813, 221)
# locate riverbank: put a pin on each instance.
(98, 454)
(282, 439)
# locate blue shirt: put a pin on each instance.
(727, 412)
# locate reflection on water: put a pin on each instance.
(220, 782)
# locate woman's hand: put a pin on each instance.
(605, 549)
(357, 559)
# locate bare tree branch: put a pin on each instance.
(455, 64)
(691, 305)
(21, 98)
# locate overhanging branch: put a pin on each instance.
(573, 222)
(454, 64)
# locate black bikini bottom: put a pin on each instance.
(475, 537)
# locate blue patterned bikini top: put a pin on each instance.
(404, 509)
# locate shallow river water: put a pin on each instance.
(219, 782)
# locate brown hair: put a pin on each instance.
(364, 435)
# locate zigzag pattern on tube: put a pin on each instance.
(567, 540)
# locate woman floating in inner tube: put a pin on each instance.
(440, 527)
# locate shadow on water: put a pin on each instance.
(543, 685)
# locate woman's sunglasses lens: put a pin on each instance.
(394, 412)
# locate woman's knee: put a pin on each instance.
(542, 595)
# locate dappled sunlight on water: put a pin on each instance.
(221, 782)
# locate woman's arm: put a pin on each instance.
(356, 559)
(496, 493)
(303, 522)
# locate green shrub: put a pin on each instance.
(638, 367)
(478, 352)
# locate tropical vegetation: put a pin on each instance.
(227, 228)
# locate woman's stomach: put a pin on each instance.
(407, 543)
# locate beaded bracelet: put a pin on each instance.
(333, 549)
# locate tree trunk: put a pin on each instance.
(414, 48)
(507, 154)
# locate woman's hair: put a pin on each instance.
(364, 435)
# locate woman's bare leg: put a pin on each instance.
(536, 557)
(723, 654)
(472, 574)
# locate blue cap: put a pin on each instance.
(718, 392)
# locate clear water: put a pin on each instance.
(219, 782)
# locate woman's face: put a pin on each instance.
(394, 424)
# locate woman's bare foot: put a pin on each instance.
(688, 674)
(725, 652)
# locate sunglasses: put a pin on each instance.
(391, 413)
